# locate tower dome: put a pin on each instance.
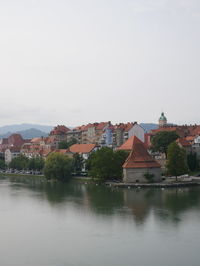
(162, 120)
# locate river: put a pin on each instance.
(74, 224)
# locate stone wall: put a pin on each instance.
(137, 175)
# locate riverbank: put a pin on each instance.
(74, 178)
(89, 180)
(154, 185)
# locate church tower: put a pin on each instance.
(162, 120)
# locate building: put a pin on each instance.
(84, 150)
(128, 145)
(139, 163)
(59, 133)
(122, 132)
(162, 120)
(15, 140)
(183, 143)
(11, 153)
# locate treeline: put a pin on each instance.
(102, 164)
(21, 162)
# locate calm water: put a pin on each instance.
(78, 224)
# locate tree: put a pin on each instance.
(36, 163)
(192, 161)
(162, 140)
(119, 159)
(78, 163)
(66, 144)
(105, 163)
(58, 166)
(176, 162)
(2, 164)
(20, 162)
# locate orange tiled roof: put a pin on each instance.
(102, 125)
(82, 148)
(59, 130)
(139, 157)
(190, 138)
(36, 140)
(183, 142)
(62, 151)
(128, 145)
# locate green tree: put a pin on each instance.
(192, 161)
(2, 164)
(20, 162)
(162, 140)
(65, 145)
(36, 163)
(176, 160)
(119, 159)
(58, 166)
(105, 163)
(78, 163)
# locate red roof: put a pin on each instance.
(59, 130)
(36, 140)
(82, 148)
(16, 140)
(183, 142)
(128, 145)
(62, 151)
(102, 125)
(139, 157)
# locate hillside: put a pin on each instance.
(23, 127)
(27, 134)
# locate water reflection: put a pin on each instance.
(167, 206)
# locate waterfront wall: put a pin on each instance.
(137, 175)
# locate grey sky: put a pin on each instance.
(79, 61)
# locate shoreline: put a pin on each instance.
(115, 184)
(153, 185)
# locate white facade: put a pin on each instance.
(9, 155)
(137, 131)
(197, 141)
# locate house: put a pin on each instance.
(139, 163)
(39, 147)
(183, 143)
(82, 149)
(59, 133)
(196, 145)
(92, 133)
(122, 132)
(15, 140)
(11, 153)
(128, 145)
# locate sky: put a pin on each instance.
(78, 61)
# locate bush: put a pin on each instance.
(149, 177)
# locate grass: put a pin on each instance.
(194, 173)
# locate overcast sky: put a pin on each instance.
(77, 61)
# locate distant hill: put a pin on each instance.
(23, 127)
(27, 134)
(149, 126)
